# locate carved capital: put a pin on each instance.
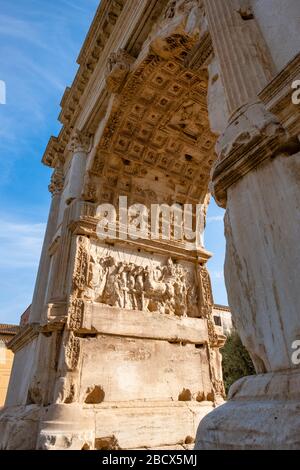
(179, 7)
(57, 181)
(253, 135)
(89, 192)
(81, 142)
(117, 68)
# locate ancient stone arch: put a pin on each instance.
(172, 100)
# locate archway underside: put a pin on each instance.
(157, 145)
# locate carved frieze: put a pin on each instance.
(206, 290)
(168, 289)
(75, 314)
(72, 352)
(81, 268)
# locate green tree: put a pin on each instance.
(236, 361)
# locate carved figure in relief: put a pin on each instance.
(119, 284)
(176, 7)
(139, 288)
(132, 297)
(165, 289)
(99, 269)
(170, 11)
(188, 120)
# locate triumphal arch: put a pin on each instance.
(172, 101)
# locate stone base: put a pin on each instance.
(263, 413)
(128, 425)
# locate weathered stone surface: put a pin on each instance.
(264, 409)
(108, 426)
(256, 179)
(121, 342)
(19, 427)
(269, 295)
(153, 325)
(139, 369)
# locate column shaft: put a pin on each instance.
(246, 65)
(42, 276)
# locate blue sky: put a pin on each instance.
(39, 43)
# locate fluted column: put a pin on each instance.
(245, 62)
(55, 187)
(79, 146)
(255, 179)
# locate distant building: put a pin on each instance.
(223, 318)
(7, 332)
(24, 320)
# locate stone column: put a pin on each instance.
(245, 62)
(79, 146)
(255, 179)
(55, 187)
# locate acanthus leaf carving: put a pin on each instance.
(89, 192)
(57, 181)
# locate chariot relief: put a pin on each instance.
(168, 289)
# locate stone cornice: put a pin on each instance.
(85, 98)
(281, 84)
(25, 336)
(277, 96)
(103, 24)
(114, 321)
(245, 158)
(87, 226)
(96, 27)
(29, 332)
(254, 145)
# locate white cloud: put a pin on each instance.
(21, 30)
(219, 275)
(216, 218)
(20, 244)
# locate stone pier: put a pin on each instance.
(172, 101)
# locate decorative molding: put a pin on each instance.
(86, 226)
(277, 96)
(72, 351)
(101, 29)
(253, 136)
(75, 314)
(25, 336)
(57, 181)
